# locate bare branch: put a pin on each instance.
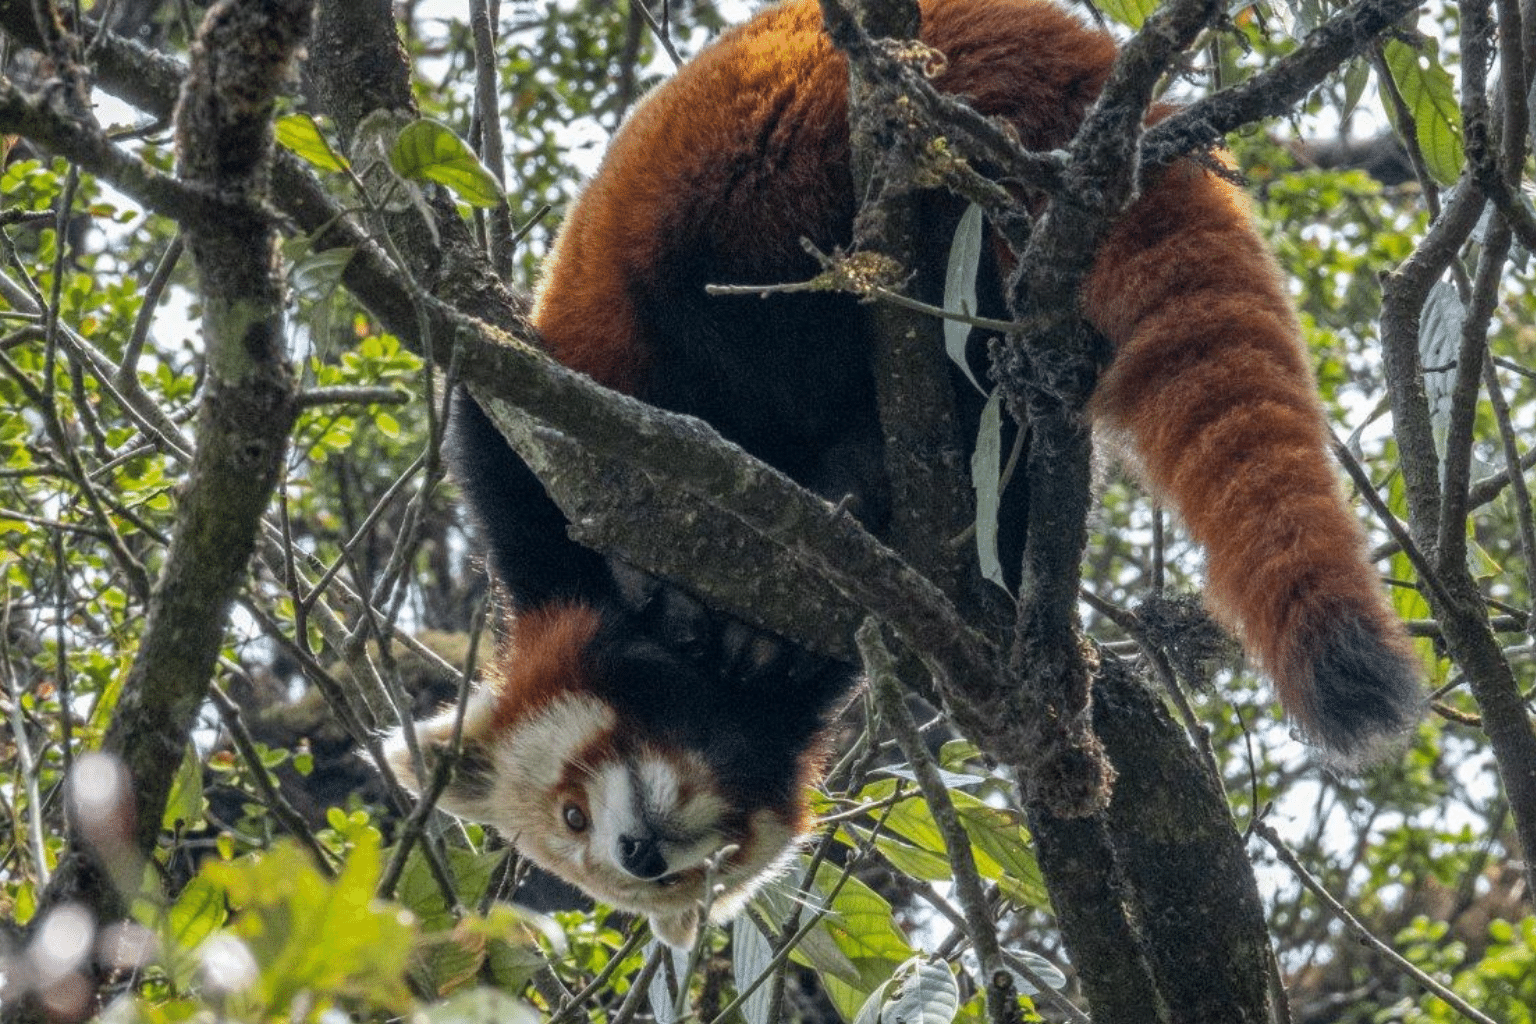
(1276, 90)
(1338, 910)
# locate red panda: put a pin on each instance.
(627, 735)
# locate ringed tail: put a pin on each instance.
(1211, 381)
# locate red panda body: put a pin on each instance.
(642, 737)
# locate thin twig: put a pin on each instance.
(271, 793)
(1521, 499)
(637, 934)
(1316, 888)
(661, 34)
(127, 369)
(1399, 532)
(891, 700)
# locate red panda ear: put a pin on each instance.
(468, 790)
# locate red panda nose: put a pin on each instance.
(642, 857)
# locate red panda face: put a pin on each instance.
(631, 821)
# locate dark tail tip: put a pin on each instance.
(1364, 693)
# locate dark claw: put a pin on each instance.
(735, 638)
(637, 590)
(684, 622)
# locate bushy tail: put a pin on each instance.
(1211, 382)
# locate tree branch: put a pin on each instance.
(1276, 90)
(224, 142)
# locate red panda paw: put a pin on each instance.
(677, 930)
(713, 641)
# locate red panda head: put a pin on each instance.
(635, 815)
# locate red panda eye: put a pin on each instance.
(575, 818)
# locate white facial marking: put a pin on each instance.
(658, 787)
(540, 766)
(537, 750)
(614, 811)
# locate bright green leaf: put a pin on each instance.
(1131, 13)
(861, 925)
(1430, 96)
(312, 933)
(197, 912)
(428, 151)
(300, 133)
(184, 808)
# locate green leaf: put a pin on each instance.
(24, 904)
(1427, 90)
(418, 890)
(1039, 966)
(512, 966)
(951, 780)
(860, 924)
(300, 134)
(1002, 851)
(925, 993)
(316, 275)
(869, 1013)
(816, 949)
(309, 933)
(387, 424)
(428, 151)
(987, 481)
(999, 844)
(196, 914)
(750, 956)
(1128, 12)
(1357, 74)
(860, 920)
(184, 807)
(960, 287)
(665, 1002)
(479, 1006)
(1299, 17)
(913, 861)
(1480, 563)
(1439, 342)
(1409, 602)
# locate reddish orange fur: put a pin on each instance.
(628, 217)
(1211, 380)
(542, 661)
(662, 161)
(747, 149)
